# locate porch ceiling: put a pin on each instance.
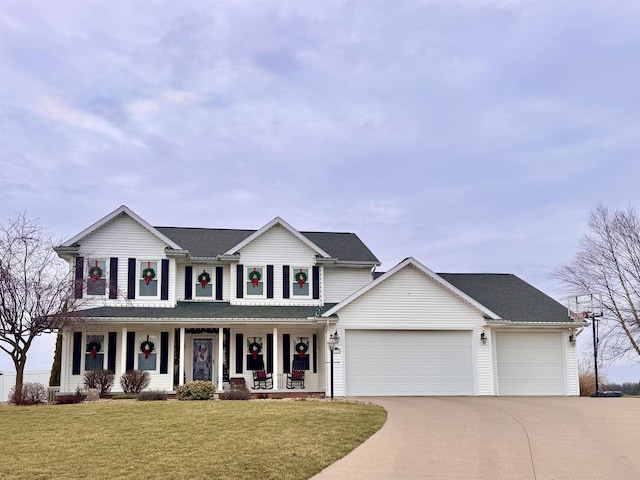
(206, 310)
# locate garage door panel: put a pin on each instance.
(530, 363)
(408, 363)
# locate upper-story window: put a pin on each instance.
(96, 277)
(203, 287)
(254, 285)
(301, 281)
(148, 276)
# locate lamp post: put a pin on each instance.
(332, 343)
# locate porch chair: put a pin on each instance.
(296, 376)
(262, 379)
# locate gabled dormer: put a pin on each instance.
(121, 259)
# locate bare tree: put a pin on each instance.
(36, 292)
(608, 262)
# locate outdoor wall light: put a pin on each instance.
(572, 339)
(483, 338)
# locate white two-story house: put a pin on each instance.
(213, 304)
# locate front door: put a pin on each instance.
(203, 359)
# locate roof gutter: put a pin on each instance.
(525, 324)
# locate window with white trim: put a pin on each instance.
(96, 277)
(300, 282)
(254, 284)
(203, 287)
(94, 352)
(148, 278)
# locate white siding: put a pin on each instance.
(125, 238)
(276, 247)
(339, 283)
(409, 300)
(69, 383)
(573, 375)
(313, 381)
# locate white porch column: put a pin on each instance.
(220, 357)
(181, 371)
(123, 350)
(274, 354)
(64, 362)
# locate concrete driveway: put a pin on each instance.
(531, 438)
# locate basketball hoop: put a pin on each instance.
(586, 305)
(578, 316)
(581, 307)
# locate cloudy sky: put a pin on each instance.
(474, 135)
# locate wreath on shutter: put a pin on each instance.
(254, 277)
(301, 278)
(204, 278)
(94, 348)
(301, 348)
(255, 348)
(147, 347)
(148, 274)
(95, 273)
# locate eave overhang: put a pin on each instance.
(526, 324)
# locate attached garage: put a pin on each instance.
(530, 363)
(388, 362)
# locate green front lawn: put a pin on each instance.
(176, 440)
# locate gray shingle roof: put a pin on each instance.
(509, 296)
(209, 242)
(205, 310)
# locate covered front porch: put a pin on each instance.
(203, 342)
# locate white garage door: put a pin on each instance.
(408, 363)
(530, 363)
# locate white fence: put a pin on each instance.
(8, 381)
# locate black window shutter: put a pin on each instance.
(131, 280)
(315, 353)
(111, 354)
(164, 352)
(239, 351)
(131, 350)
(269, 352)
(77, 353)
(79, 277)
(285, 281)
(188, 283)
(269, 281)
(316, 282)
(286, 353)
(113, 277)
(218, 283)
(239, 281)
(164, 285)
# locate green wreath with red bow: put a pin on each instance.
(301, 278)
(147, 347)
(204, 278)
(254, 277)
(94, 348)
(148, 274)
(95, 273)
(301, 348)
(255, 348)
